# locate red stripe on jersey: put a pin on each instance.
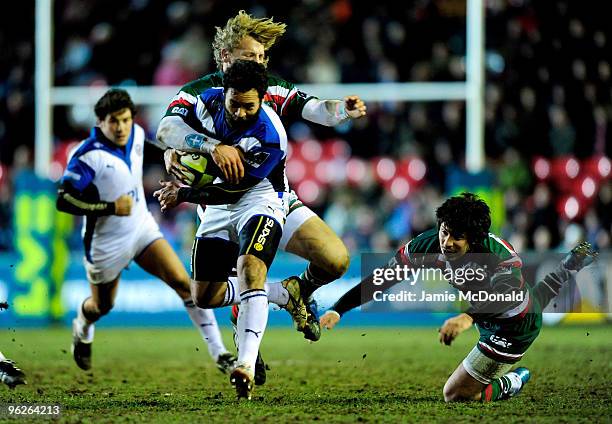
(402, 254)
(288, 100)
(513, 262)
(277, 100)
(508, 245)
(523, 312)
(181, 102)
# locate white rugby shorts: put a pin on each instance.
(110, 258)
(226, 221)
(297, 215)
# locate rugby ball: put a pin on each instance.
(201, 169)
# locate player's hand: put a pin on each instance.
(167, 195)
(329, 319)
(354, 106)
(173, 166)
(229, 160)
(454, 326)
(123, 205)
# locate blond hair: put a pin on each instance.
(263, 30)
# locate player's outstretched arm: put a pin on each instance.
(354, 106)
(454, 326)
(333, 112)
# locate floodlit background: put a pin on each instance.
(376, 181)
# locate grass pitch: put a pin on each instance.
(350, 375)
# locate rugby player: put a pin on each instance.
(103, 182)
(243, 217)
(304, 233)
(9, 373)
(507, 328)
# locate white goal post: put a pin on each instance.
(471, 91)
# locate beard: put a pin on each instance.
(241, 123)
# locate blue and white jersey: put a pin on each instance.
(102, 171)
(264, 142)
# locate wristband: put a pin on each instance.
(201, 142)
(341, 112)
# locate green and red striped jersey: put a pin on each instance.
(282, 96)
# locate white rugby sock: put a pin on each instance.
(2, 357)
(206, 323)
(232, 292)
(252, 320)
(85, 329)
(277, 294)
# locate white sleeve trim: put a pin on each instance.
(318, 111)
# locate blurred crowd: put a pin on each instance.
(548, 105)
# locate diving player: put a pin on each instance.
(243, 218)
(507, 328)
(103, 182)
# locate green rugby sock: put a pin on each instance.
(315, 277)
(501, 388)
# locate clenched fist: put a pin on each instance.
(454, 326)
(329, 319)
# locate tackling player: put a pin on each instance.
(508, 328)
(103, 182)
(243, 218)
(304, 233)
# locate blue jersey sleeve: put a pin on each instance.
(78, 174)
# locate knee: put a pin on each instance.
(451, 393)
(458, 394)
(335, 262)
(340, 264)
(252, 270)
(449, 396)
(103, 308)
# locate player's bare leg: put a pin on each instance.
(91, 310)
(462, 386)
(160, 260)
(209, 294)
(316, 242)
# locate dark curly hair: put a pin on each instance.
(245, 75)
(466, 214)
(113, 100)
